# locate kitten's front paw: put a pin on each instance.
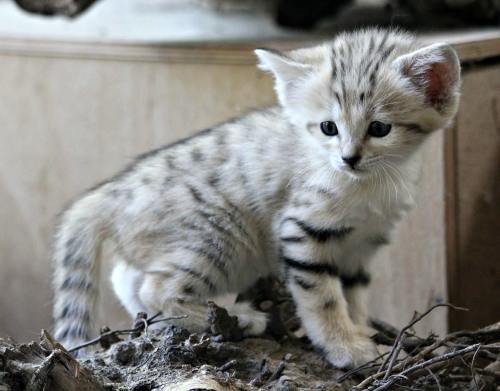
(252, 322)
(366, 330)
(352, 353)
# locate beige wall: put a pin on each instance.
(72, 117)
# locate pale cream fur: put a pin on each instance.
(269, 194)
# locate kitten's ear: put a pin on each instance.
(435, 71)
(286, 70)
(281, 65)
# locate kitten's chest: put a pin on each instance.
(367, 211)
(370, 220)
(365, 222)
(367, 218)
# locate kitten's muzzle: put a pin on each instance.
(352, 161)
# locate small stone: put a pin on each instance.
(286, 384)
(493, 367)
(144, 387)
(99, 361)
(107, 339)
(266, 305)
(218, 338)
(144, 344)
(192, 339)
(124, 353)
(257, 382)
(222, 323)
(113, 374)
(173, 335)
(139, 323)
(205, 369)
(288, 356)
(198, 344)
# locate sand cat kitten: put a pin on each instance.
(307, 190)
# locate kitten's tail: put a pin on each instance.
(76, 269)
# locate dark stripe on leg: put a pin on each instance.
(293, 239)
(361, 278)
(321, 234)
(303, 284)
(379, 240)
(311, 267)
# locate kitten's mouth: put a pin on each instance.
(362, 171)
(367, 167)
(357, 172)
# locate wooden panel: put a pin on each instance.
(410, 274)
(69, 122)
(471, 45)
(475, 273)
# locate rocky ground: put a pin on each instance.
(175, 360)
(143, 359)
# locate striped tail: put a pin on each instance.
(76, 274)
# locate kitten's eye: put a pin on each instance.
(329, 128)
(379, 129)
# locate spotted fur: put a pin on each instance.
(269, 194)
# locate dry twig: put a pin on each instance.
(391, 371)
(386, 383)
(396, 349)
(435, 378)
(141, 326)
(369, 365)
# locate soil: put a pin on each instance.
(171, 358)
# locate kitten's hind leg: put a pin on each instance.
(160, 292)
(181, 282)
(126, 281)
(177, 290)
(186, 303)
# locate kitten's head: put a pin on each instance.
(368, 98)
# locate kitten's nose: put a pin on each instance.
(352, 160)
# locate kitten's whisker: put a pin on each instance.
(401, 181)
